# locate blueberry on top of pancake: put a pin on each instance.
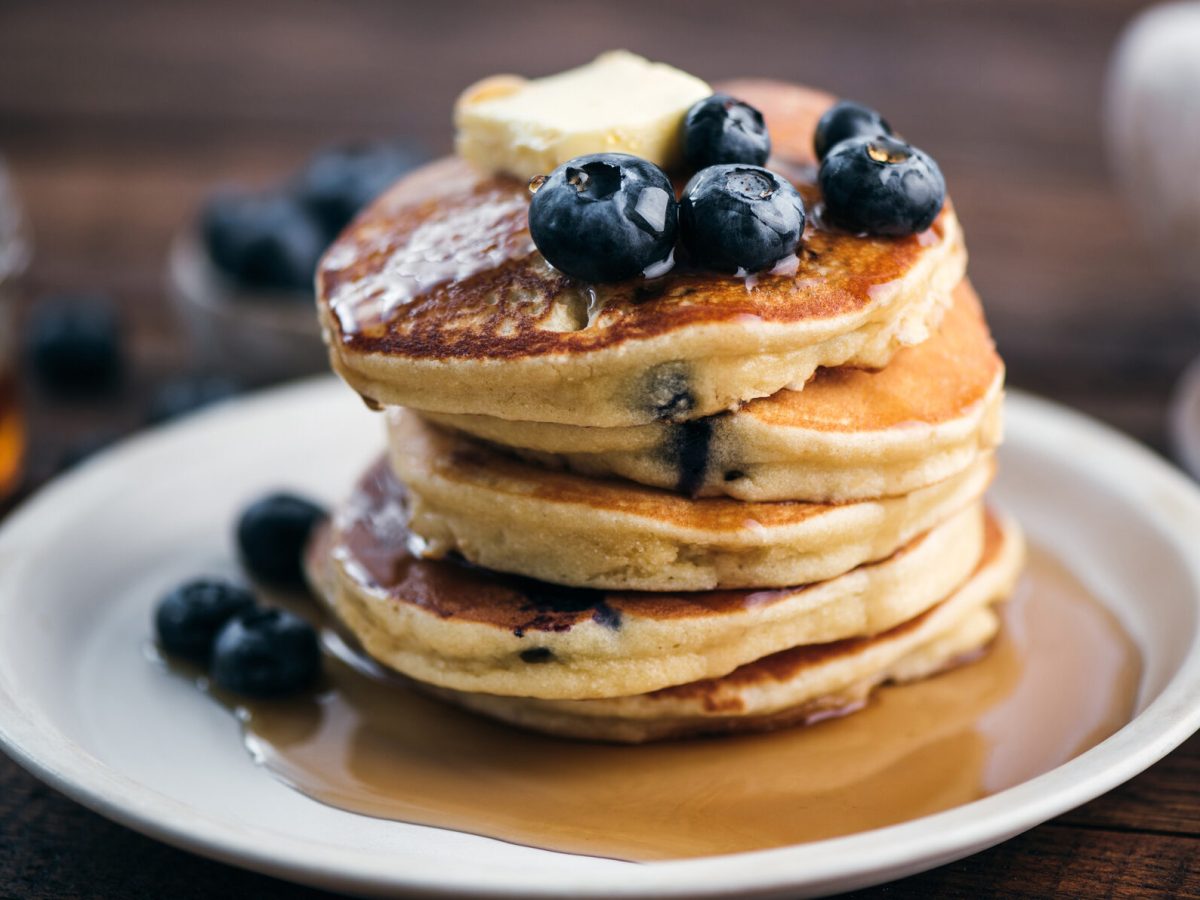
(436, 298)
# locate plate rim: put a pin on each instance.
(880, 854)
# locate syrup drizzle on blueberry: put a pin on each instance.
(881, 185)
(739, 218)
(610, 217)
(604, 217)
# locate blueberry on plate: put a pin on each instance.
(74, 342)
(188, 618)
(846, 119)
(339, 181)
(605, 217)
(737, 218)
(266, 653)
(879, 185)
(263, 241)
(721, 129)
(271, 535)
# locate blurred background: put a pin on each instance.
(140, 135)
(120, 121)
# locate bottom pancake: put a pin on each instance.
(797, 686)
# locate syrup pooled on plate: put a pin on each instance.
(369, 744)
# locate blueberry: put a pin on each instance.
(879, 185)
(187, 394)
(271, 535)
(340, 181)
(740, 218)
(721, 129)
(605, 217)
(846, 120)
(74, 342)
(188, 618)
(263, 241)
(266, 653)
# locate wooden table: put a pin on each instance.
(116, 119)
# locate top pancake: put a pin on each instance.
(435, 298)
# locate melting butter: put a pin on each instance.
(619, 103)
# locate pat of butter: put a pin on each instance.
(620, 103)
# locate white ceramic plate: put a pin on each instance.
(82, 564)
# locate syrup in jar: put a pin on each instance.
(14, 255)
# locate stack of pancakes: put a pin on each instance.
(691, 505)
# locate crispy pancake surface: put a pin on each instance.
(796, 686)
(458, 626)
(850, 434)
(435, 298)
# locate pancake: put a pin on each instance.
(435, 298)
(851, 434)
(462, 627)
(512, 516)
(797, 686)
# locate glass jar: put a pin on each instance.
(14, 256)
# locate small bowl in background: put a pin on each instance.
(257, 337)
(265, 329)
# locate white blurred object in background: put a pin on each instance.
(14, 243)
(1153, 131)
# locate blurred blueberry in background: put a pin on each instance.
(74, 343)
(271, 240)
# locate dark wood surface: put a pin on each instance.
(116, 118)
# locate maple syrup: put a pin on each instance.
(1060, 678)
